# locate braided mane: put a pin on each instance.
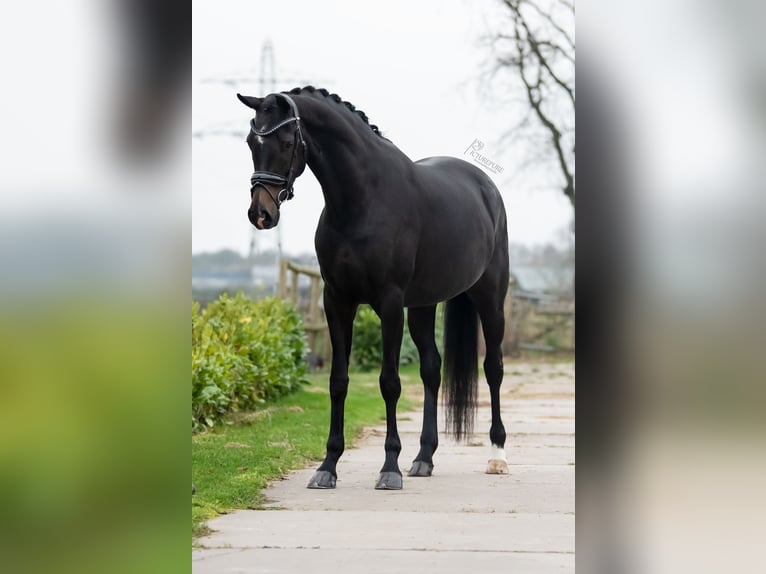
(337, 99)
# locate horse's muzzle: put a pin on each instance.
(261, 218)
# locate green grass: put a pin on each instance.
(232, 464)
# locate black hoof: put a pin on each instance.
(389, 481)
(421, 468)
(322, 479)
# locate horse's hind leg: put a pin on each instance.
(494, 327)
(489, 304)
(421, 323)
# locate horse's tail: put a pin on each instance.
(461, 365)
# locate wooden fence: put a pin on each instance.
(538, 322)
(310, 307)
(532, 321)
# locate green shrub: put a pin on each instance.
(243, 352)
(367, 343)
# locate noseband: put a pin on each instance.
(267, 177)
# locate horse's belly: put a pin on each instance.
(444, 275)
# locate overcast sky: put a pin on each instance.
(413, 67)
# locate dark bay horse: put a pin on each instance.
(394, 233)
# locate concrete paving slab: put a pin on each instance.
(319, 561)
(456, 519)
(395, 530)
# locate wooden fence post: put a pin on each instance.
(294, 288)
(511, 338)
(282, 289)
(314, 313)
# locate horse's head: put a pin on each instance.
(279, 155)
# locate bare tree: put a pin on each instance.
(535, 53)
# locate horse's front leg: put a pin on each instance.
(340, 321)
(391, 312)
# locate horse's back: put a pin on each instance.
(456, 180)
(462, 220)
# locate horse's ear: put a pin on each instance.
(250, 101)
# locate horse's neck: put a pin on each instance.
(343, 160)
(337, 164)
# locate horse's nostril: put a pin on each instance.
(258, 217)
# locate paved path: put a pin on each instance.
(458, 519)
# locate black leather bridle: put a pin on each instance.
(267, 177)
